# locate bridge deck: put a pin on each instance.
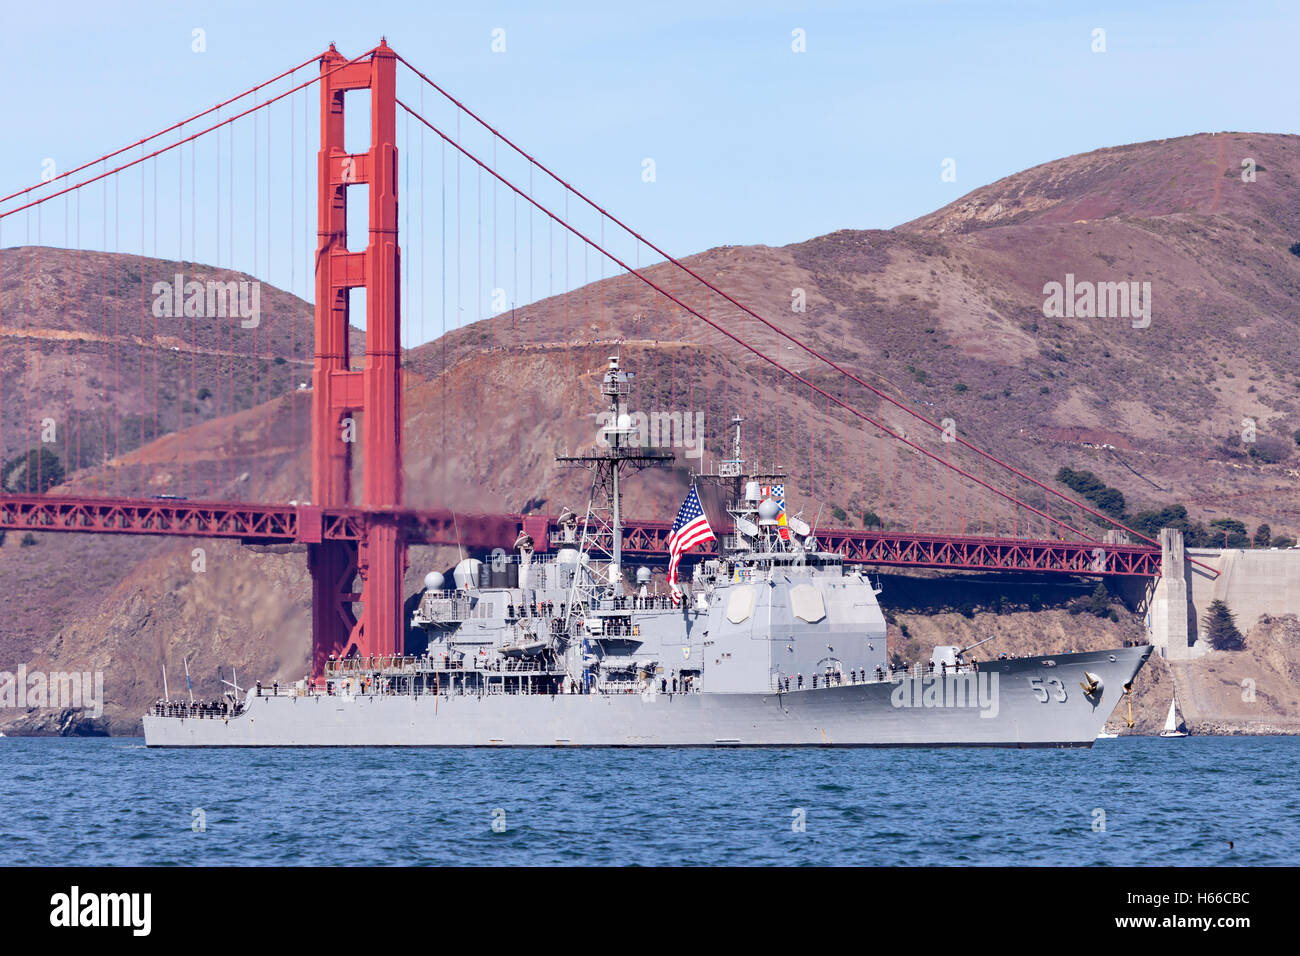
(643, 541)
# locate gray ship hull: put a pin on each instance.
(1029, 702)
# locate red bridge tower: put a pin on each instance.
(375, 390)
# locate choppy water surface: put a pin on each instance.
(1179, 802)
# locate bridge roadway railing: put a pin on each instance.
(643, 541)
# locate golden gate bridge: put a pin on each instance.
(988, 514)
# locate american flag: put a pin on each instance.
(689, 529)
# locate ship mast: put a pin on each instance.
(743, 508)
(619, 445)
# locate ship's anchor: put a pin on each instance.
(1092, 685)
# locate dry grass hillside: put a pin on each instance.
(946, 315)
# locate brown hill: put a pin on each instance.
(944, 314)
(947, 315)
(80, 344)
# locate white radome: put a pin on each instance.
(466, 573)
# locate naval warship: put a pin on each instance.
(771, 641)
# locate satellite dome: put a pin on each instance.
(567, 556)
(624, 421)
(768, 510)
(433, 581)
(466, 573)
(643, 575)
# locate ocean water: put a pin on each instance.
(1127, 801)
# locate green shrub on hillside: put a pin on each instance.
(1228, 533)
(1106, 499)
(1221, 630)
(1099, 602)
(1269, 450)
(34, 472)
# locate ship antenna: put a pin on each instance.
(456, 524)
(235, 674)
(618, 447)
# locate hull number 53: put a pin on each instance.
(1049, 689)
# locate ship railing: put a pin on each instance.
(536, 609)
(545, 560)
(369, 662)
(885, 675)
(201, 710)
(512, 666)
(512, 683)
(558, 610)
(655, 686)
(635, 602)
(448, 606)
(439, 607)
(620, 687)
(736, 543)
(399, 666)
(396, 663)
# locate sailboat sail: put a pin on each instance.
(1171, 722)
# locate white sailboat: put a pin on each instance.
(1172, 724)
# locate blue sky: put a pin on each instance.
(752, 142)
